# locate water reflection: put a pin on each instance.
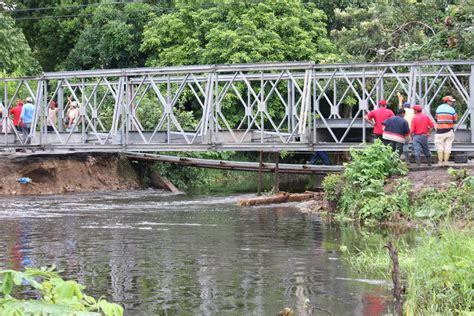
(170, 254)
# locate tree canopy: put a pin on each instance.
(405, 30)
(238, 33)
(15, 54)
(95, 34)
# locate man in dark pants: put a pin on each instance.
(396, 131)
(421, 127)
(320, 155)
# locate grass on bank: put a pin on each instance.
(438, 272)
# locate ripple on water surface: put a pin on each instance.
(160, 253)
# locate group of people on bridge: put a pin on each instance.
(22, 115)
(411, 124)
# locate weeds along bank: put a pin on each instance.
(435, 270)
(376, 188)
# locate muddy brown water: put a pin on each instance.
(162, 254)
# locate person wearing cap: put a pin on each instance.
(72, 115)
(446, 117)
(396, 132)
(26, 118)
(421, 127)
(377, 117)
(16, 112)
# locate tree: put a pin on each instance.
(405, 30)
(238, 33)
(111, 39)
(15, 54)
(51, 29)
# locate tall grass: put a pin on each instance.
(440, 274)
(438, 271)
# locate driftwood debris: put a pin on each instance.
(281, 197)
(161, 182)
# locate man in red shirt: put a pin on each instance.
(421, 126)
(16, 112)
(376, 118)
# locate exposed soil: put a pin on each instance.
(435, 178)
(61, 174)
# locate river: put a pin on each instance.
(162, 254)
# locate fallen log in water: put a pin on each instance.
(281, 197)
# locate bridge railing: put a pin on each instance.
(298, 105)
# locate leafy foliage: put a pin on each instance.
(15, 55)
(238, 33)
(457, 201)
(359, 191)
(111, 39)
(440, 275)
(405, 30)
(56, 296)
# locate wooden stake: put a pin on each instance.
(260, 174)
(277, 176)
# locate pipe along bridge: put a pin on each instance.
(292, 106)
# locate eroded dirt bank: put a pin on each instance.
(55, 174)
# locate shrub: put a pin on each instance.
(55, 296)
(377, 162)
(359, 191)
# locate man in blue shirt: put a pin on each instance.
(396, 131)
(26, 118)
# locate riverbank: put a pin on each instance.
(431, 273)
(64, 174)
(434, 179)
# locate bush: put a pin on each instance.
(55, 296)
(377, 162)
(359, 191)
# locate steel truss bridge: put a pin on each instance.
(293, 106)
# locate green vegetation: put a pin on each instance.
(436, 268)
(238, 33)
(437, 271)
(369, 191)
(15, 55)
(101, 34)
(359, 191)
(405, 30)
(55, 296)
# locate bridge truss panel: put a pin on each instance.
(274, 106)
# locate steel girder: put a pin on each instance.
(274, 106)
